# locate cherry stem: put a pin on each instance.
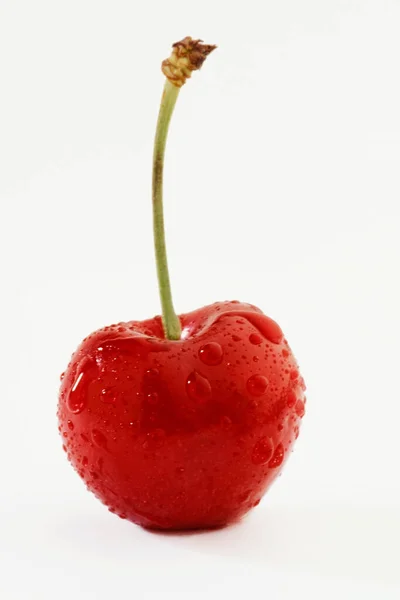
(187, 55)
(171, 323)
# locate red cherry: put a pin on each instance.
(182, 439)
(181, 422)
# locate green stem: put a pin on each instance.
(171, 323)
(187, 55)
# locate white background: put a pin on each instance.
(282, 189)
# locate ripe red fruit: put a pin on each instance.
(181, 422)
(188, 433)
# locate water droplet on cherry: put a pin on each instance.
(211, 354)
(262, 451)
(300, 409)
(152, 398)
(198, 387)
(257, 384)
(76, 400)
(255, 339)
(108, 395)
(277, 458)
(151, 375)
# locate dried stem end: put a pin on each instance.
(187, 55)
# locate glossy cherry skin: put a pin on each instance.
(182, 434)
